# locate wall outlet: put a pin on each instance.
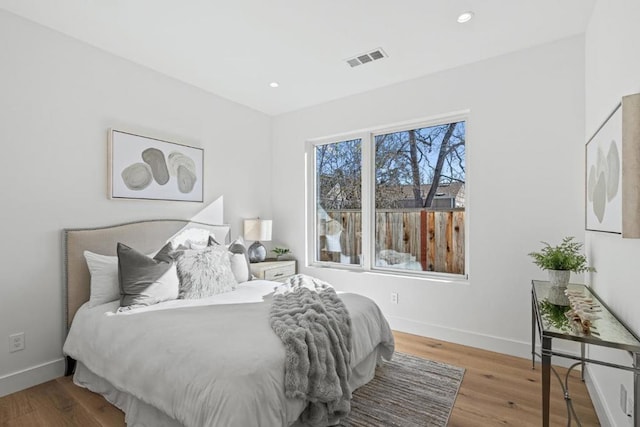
(394, 297)
(16, 342)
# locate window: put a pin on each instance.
(392, 199)
(419, 199)
(339, 201)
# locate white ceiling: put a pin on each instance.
(235, 48)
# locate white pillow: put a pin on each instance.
(239, 267)
(104, 278)
(239, 258)
(105, 286)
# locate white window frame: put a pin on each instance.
(312, 255)
(367, 141)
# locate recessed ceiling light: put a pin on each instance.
(465, 17)
(274, 84)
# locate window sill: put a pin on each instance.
(443, 278)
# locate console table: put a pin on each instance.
(607, 331)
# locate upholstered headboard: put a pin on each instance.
(145, 236)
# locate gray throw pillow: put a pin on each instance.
(204, 272)
(143, 280)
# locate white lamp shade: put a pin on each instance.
(257, 229)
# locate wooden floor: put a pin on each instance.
(496, 390)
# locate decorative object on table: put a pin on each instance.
(141, 167)
(612, 199)
(583, 311)
(560, 261)
(257, 229)
(282, 254)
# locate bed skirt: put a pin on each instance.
(138, 413)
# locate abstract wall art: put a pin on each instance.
(142, 167)
(604, 174)
(612, 172)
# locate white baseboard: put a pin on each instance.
(473, 339)
(29, 377)
(602, 410)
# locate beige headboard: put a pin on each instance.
(145, 236)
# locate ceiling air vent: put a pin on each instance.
(374, 55)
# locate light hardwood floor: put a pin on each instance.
(496, 390)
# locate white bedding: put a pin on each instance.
(213, 361)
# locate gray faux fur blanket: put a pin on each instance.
(315, 327)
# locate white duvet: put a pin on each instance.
(208, 362)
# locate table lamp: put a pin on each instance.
(257, 229)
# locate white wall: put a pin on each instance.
(525, 161)
(612, 71)
(58, 97)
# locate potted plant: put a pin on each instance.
(281, 253)
(561, 260)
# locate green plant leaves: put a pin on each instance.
(565, 256)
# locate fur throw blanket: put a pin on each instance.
(315, 327)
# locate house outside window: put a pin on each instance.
(391, 199)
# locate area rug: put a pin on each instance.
(407, 392)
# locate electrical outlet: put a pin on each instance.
(623, 398)
(394, 297)
(16, 342)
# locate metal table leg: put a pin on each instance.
(546, 379)
(533, 333)
(582, 346)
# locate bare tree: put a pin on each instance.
(338, 166)
(415, 168)
(444, 149)
(404, 162)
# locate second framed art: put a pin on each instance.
(141, 167)
(613, 172)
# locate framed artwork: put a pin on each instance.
(141, 167)
(613, 172)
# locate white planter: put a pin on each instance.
(559, 277)
(557, 296)
(559, 280)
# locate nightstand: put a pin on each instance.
(278, 271)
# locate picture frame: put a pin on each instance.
(612, 172)
(143, 167)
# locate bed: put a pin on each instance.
(212, 361)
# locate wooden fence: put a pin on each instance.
(434, 237)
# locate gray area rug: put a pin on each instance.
(407, 392)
